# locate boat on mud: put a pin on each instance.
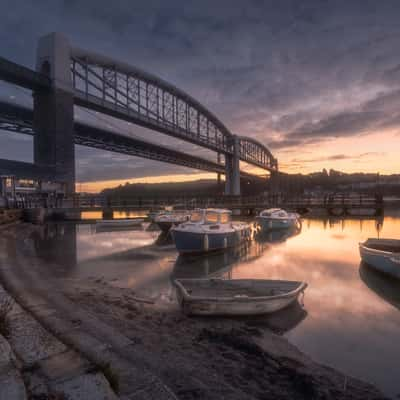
(240, 297)
(210, 230)
(119, 223)
(277, 218)
(169, 218)
(382, 255)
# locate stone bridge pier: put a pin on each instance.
(54, 112)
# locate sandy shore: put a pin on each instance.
(195, 358)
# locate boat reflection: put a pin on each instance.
(277, 236)
(384, 286)
(209, 266)
(164, 239)
(282, 321)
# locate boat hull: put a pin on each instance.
(268, 224)
(382, 261)
(236, 306)
(199, 242)
(230, 308)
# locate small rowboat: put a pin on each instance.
(118, 223)
(236, 297)
(382, 255)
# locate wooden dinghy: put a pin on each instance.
(237, 296)
(383, 255)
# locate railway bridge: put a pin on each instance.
(67, 76)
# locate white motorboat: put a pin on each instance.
(277, 218)
(210, 230)
(237, 296)
(382, 254)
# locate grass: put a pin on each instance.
(6, 305)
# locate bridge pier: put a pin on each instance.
(53, 117)
(232, 170)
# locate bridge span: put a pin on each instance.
(66, 76)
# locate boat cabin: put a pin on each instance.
(211, 216)
(274, 212)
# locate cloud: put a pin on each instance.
(338, 157)
(286, 73)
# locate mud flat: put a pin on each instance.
(161, 353)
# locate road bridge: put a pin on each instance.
(66, 76)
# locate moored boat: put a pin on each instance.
(118, 223)
(210, 230)
(168, 219)
(277, 218)
(383, 255)
(237, 296)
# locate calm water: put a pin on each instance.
(352, 318)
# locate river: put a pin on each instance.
(351, 316)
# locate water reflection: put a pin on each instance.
(364, 223)
(56, 243)
(384, 286)
(103, 229)
(283, 321)
(277, 236)
(353, 320)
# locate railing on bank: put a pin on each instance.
(262, 201)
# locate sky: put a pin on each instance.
(318, 82)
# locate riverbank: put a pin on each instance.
(191, 358)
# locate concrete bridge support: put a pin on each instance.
(54, 111)
(232, 170)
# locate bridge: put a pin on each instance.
(66, 76)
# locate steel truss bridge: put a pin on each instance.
(68, 76)
(19, 119)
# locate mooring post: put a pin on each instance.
(54, 111)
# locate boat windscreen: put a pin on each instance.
(212, 217)
(196, 216)
(225, 218)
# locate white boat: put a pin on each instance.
(237, 296)
(382, 254)
(154, 213)
(173, 216)
(167, 220)
(277, 218)
(117, 223)
(210, 230)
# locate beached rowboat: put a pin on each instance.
(236, 297)
(382, 254)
